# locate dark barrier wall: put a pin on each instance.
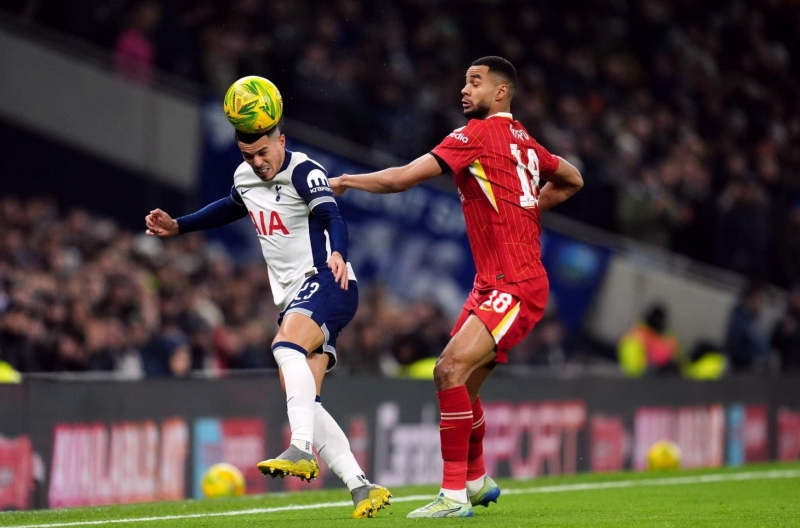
(85, 443)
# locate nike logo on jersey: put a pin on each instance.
(245, 191)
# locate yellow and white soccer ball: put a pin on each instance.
(253, 105)
(664, 455)
(222, 480)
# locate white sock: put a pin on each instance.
(457, 495)
(334, 449)
(301, 390)
(474, 486)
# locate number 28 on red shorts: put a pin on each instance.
(509, 312)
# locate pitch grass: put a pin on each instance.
(765, 495)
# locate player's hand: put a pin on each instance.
(339, 269)
(336, 185)
(160, 224)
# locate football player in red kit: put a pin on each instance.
(498, 168)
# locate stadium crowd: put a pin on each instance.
(77, 293)
(684, 118)
(681, 114)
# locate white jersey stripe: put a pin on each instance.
(322, 199)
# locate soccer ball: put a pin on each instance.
(222, 480)
(663, 455)
(253, 105)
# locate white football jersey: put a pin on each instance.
(293, 241)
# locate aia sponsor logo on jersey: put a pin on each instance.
(268, 229)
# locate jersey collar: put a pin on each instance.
(506, 115)
(286, 160)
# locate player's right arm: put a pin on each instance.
(216, 214)
(393, 180)
(454, 153)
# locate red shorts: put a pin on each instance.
(509, 312)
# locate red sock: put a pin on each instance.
(475, 466)
(454, 430)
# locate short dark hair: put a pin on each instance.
(249, 139)
(500, 66)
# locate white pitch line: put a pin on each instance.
(676, 481)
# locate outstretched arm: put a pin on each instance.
(217, 214)
(563, 183)
(393, 180)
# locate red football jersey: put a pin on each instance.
(497, 165)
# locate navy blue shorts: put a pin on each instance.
(331, 307)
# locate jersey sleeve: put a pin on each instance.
(216, 214)
(548, 163)
(462, 147)
(235, 196)
(311, 182)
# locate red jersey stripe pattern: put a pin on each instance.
(497, 166)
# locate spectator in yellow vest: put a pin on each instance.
(648, 346)
(8, 374)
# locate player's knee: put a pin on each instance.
(447, 373)
(284, 351)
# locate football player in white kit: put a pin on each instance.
(304, 241)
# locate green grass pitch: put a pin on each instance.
(765, 495)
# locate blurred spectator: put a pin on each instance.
(744, 231)
(421, 332)
(8, 374)
(167, 356)
(786, 334)
(790, 244)
(649, 346)
(414, 357)
(648, 211)
(134, 51)
(705, 362)
(546, 345)
(746, 342)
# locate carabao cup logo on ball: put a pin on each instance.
(253, 105)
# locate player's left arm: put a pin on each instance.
(311, 183)
(561, 184)
(334, 224)
(393, 180)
